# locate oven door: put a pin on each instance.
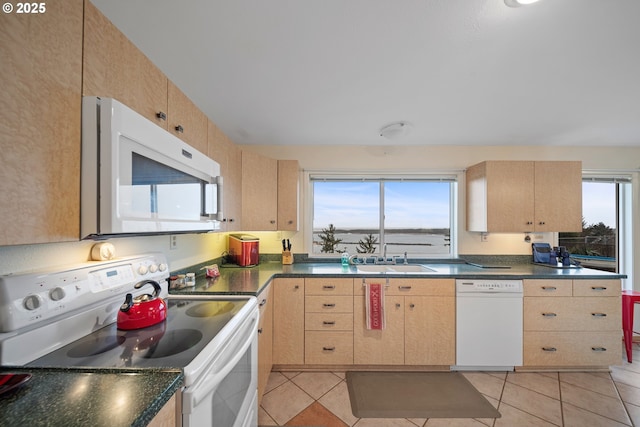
(225, 395)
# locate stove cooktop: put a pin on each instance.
(174, 343)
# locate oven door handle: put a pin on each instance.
(212, 380)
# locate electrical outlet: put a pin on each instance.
(173, 242)
(484, 237)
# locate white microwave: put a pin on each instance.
(139, 179)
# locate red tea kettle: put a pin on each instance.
(144, 310)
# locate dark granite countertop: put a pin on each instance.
(88, 397)
(251, 280)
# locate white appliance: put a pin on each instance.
(67, 317)
(137, 178)
(488, 324)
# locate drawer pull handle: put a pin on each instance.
(599, 314)
(329, 323)
(549, 314)
(161, 115)
(328, 348)
(179, 129)
(296, 287)
(549, 288)
(263, 302)
(260, 330)
(328, 305)
(598, 349)
(404, 288)
(328, 287)
(397, 305)
(599, 288)
(549, 349)
(412, 305)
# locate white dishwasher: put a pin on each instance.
(488, 324)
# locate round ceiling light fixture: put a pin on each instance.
(518, 3)
(395, 130)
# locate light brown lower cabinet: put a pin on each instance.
(166, 417)
(420, 324)
(265, 339)
(572, 323)
(288, 321)
(328, 321)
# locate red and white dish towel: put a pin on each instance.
(374, 303)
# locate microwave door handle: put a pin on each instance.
(194, 394)
(213, 199)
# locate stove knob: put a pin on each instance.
(32, 302)
(162, 267)
(153, 268)
(142, 270)
(56, 294)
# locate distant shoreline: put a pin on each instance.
(443, 231)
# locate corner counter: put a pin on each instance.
(83, 397)
(252, 280)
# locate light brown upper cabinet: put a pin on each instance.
(185, 120)
(41, 60)
(259, 192)
(519, 196)
(229, 156)
(115, 68)
(288, 187)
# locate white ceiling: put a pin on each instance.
(462, 72)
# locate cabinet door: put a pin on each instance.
(185, 120)
(229, 156)
(500, 196)
(265, 339)
(558, 196)
(41, 62)
(288, 321)
(430, 335)
(114, 67)
(373, 347)
(259, 192)
(288, 188)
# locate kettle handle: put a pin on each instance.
(128, 303)
(156, 286)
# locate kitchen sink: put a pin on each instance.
(411, 268)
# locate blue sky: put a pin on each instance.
(599, 203)
(355, 204)
(415, 204)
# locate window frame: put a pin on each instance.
(624, 219)
(453, 177)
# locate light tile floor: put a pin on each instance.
(524, 399)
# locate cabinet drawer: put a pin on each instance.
(572, 348)
(328, 322)
(328, 348)
(328, 286)
(597, 288)
(572, 314)
(421, 287)
(329, 303)
(547, 288)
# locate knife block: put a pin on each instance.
(287, 258)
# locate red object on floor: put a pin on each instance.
(629, 300)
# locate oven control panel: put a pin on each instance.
(27, 299)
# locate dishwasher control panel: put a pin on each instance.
(488, 285)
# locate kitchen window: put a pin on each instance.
(363, 215)
(605, 242)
